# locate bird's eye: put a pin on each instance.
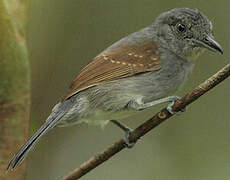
(181, 27)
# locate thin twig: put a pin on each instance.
(149, 125)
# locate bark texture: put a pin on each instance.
(14, 84)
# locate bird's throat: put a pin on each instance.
(192, 54)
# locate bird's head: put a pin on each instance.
(186, 32)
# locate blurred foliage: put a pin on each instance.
(14, 84)
(63, 38)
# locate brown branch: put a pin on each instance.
(150, 124)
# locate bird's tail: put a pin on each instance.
(52, 120)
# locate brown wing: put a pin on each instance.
(116, 64)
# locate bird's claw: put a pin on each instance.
(128, 144)
(170, 109)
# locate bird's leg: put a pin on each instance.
(140, 106)
(127, 131)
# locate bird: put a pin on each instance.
(139, 71)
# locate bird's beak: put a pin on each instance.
(212, 45)
(209, 43)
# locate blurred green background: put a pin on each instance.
(63, 36)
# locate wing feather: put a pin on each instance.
(116, 64)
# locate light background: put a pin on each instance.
(64, 35)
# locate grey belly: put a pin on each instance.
(109, 101)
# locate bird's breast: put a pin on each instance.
(168, 80)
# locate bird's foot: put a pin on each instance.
(127, 131)
(128, 144)
(170, 109)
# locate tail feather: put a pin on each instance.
(52, 120)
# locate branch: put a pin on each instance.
(150, 124)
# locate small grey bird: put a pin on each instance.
(139, 71)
